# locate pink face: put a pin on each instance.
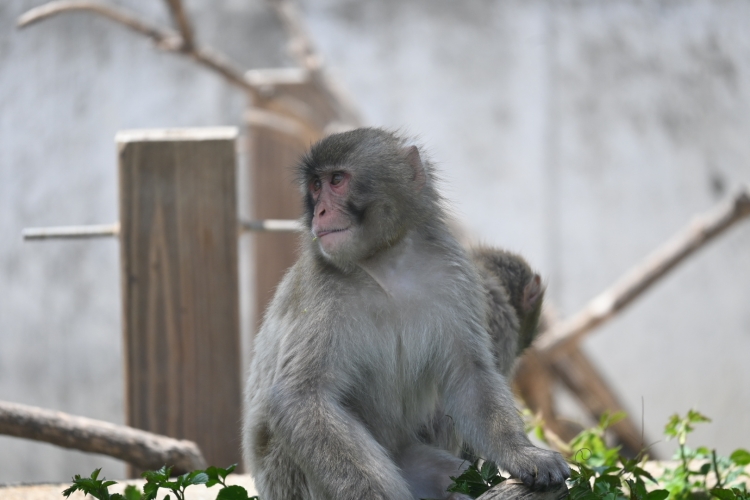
(331, 224)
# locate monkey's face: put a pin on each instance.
(332, 225)
(363, 191)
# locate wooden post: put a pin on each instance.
(274, 151)
(178, 244)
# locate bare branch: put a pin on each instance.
(166, 39)
(640, 278)
(304, 52)
(160, 36)
(182, 22)
(300, 42)
(139, 448)
(514, 489)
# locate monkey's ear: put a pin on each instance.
(413, 159)
(532, 293)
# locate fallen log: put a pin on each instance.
(512, 489)
(144, 450)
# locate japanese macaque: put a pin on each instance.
(381, 323)
(514, 294)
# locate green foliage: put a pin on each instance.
(97, 488)
(685, 482)
(161, 479)
(600, 472)
(478, 478)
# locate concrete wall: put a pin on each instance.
(579, 133)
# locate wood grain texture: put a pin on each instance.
(178, 242)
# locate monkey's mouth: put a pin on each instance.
(326, 232)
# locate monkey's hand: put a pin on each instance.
(538, 469)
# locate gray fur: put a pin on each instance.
(514, 318)
(361, 350)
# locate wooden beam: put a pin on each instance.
(178, 242)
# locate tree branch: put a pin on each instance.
(140, 448)
(303, 51)
(121, 16)
(640, 278)
(165, 39)
(182, 22)
(513, 489)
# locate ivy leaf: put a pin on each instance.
(657, 495)
(234, 492)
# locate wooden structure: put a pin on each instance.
(178, 241)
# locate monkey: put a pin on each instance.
(380, 323)
(515, 294)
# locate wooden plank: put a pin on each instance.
(178, 242)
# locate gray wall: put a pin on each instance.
(579, 133)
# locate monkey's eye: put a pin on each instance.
(336, 178)
(316, 184)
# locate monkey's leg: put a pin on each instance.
(428, 469)
(340, 458)
(279, 478)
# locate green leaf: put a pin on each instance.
(695, 417)
(150, 490)
(172, 485)
(705, 469)
(158, 475)
(233, 492)
(196, 477)
(638, 472)
(657, 495)
(723, 494)
(740, 457)
(474, 481)
(608, 420)
(68, 491)
(132, 493)
(225, 472)
(489, 470)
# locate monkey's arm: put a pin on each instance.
(485, 415)
(335, 451)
